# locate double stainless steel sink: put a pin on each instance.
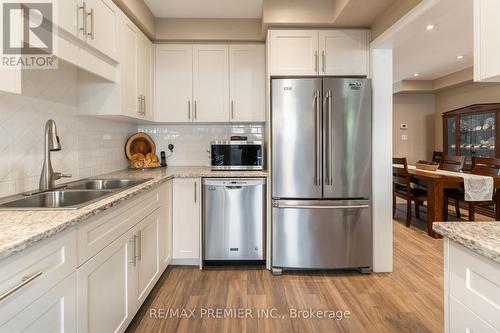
(70, 196)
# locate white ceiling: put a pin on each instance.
(434, 53)
(206, 8)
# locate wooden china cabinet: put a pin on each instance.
(471, 131)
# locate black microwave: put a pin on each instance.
(237, 155)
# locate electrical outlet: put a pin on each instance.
(404, 137)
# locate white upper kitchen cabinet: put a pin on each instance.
(293, 52)
(70, 15)
(102, 26)
(247, 69)
(129, 63)
(10, 80)
(174, 83)
(337, 52)
(486, 41)
(186, 220)
(145, 77)
(343, 52)
(211, 83)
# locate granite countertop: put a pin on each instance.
(21, 229)
(482, 238)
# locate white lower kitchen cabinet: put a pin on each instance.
(53, 312)
(104, 291)
(28, 275)
(186, 220)
(166, 225)
(147, 257)
(472, 291)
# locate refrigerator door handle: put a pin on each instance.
(318, 138)
(280, 205)
(330, 138)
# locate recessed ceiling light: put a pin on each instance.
(416, 74)
(430, 27)
(460, 57)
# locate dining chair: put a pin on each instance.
(401, 187)
(456, 164)
(452, 163)
(437, 156)
(483, 166)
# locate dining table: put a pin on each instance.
(436, 183)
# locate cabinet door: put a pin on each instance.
(247, 82)
(146, 247)
(103, 289)
(54, 312)
(70, 15)
(186, 218)
(166, 225)
(173, 83)
(102, 25)
(144, 77)
(128, 65)
(486, 46)
(211, 83)
(343, 52)
(293, 52)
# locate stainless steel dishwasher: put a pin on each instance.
(233, 219)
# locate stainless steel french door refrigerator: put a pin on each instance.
(321, 173)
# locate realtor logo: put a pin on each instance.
(28, 34)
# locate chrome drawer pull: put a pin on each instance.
(24, 282)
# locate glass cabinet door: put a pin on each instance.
(451, 149)
(477, 135)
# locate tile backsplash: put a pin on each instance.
(192, 141)
(90, 145)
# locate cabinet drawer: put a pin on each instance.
(464, 320)
(54, 312)
(474, 281)
(29, 274)
(103, 229)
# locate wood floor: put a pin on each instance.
(408, 300)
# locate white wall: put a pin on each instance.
(192, 142)
(418, 112)
(90, 146)
(382, 160)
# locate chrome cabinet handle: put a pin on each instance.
(330, 137)
(139, 244)
(139, 104)
(189, 110)
(137, 247)
(316, 61)
(133, 260)
(83, 8)
(323, 61)
(232, 109)
(195, 111)
(195, 192)
(92, 31)
(26, 280)
(144, 106)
